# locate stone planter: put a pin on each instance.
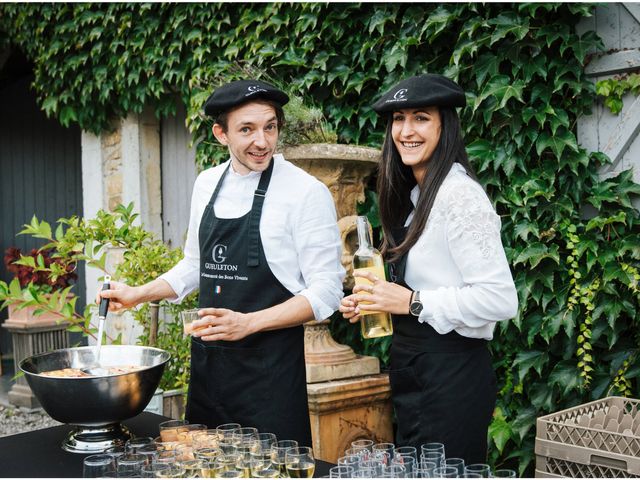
(348, 397)
(31, 335)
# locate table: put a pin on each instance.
(39, 453)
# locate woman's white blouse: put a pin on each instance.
(458, 264)
(298, 230)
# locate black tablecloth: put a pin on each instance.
(39, 453)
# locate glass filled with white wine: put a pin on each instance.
(278, 452)
(299, 462)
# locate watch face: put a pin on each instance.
(415, 308)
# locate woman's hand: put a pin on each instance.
(382, 296)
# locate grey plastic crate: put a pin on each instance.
(597, 439)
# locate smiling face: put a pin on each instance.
(251, 134)
(416, 133)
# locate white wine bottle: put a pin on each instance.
(373, 324)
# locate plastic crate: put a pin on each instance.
(597, 439)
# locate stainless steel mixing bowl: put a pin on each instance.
(95, 403)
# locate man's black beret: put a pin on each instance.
(428, 90)
(241, 91)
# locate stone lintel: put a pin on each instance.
(357, 367)
(329, 397)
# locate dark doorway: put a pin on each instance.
(40, 168)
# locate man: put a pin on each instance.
(264, 249)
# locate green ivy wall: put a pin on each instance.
(576, 336)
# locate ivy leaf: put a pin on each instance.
(509, 23)
(566, 376)
(525, 361)
(557, 143)
(535, 252)
(524, 421)
(499, 430)
(502, 88)
(397, 56)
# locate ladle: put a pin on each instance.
(96, 369)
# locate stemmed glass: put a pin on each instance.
(299, 462)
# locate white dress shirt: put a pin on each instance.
(458, 264)
(298, 229)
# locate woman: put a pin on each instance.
(450, 280)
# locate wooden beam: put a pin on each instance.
(620, 139)
(618, 62)
(633, 9)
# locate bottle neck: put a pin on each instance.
(364, 234)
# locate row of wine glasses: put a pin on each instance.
(366, 459)
(185, 450)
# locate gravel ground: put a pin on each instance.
(17, 420)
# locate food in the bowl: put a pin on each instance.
(77, 373)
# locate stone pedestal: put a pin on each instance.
(30, 336)
(342, 411)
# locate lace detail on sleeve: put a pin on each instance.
(470, 219)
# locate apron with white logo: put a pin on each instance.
(443, 386)
(260, 380)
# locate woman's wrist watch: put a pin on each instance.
(415, 306)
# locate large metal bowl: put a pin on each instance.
(100, 400)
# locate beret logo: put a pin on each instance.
(399, 96)
(252, 89)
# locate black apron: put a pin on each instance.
(443, 386)
(259, 381)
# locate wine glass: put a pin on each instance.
(299, 462)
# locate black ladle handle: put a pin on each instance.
(104, 302)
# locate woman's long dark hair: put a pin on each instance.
(396, 180)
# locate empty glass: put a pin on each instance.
(133, 444)
(362, 444)
(434, 457)
(504, 473)
(432, 447)
(457, 463)
(341, 471)
(479, 468)
(264, 441)
(407, 461)
(407, 451)
(425, 469)
(445, 472)
(130, 463)
(383, 451)
(394, 471)
(100, 465)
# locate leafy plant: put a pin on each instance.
(78, 240)
(613, 89)
(23, 268)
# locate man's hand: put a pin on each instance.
(222, 324)
(121, 296)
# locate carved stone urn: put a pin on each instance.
(349, 398)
